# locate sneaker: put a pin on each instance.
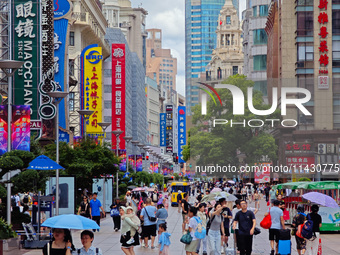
(131, 241)
(272, 252)
(205, 253)
(222, 250)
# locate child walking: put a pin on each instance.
(164, 240)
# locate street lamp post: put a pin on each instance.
(86, 115)
(135, 144)
(58, 96)
(117, 133)
(127, 140)
(104, 126)
(9, 67)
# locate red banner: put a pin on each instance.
(300, 161)
(118, 93)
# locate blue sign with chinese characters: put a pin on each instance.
(64, 136)
(162, 124)
(61, 8)
(182, 135)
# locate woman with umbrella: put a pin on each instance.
(61, 243)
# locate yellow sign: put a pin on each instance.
(93, 89)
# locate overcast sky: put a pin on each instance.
(169, 16)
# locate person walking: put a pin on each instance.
(257, 200)
(179, 201)
(201, 214)
(84, 208)
(313, 244)
(245, 219)
(95, 206)
(164, 240)
(61, 243)
(278, 223)
(161, 215)
(185, 210)
(266, 192)
(244, 193)
(148, 214)
(115, 214)
(215, 230)
(272, 196)
(127, 225)
(235, 210)
(299, 219)
(192, 226)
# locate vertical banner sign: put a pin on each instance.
(162, 118)
(118, 92)
(21, 127)
(47, 110)
(62, 8)
(3, 129)
(182, 138)
(26, 47)
(92, 60)
(169, 129)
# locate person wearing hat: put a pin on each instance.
(127, 226)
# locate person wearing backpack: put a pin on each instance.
(313, 244)
(87, 238)
(216, 229)
(299, 219)
(201, 214)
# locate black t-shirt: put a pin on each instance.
(84, 209)
(316, 218)
(226, 211)
(186, 206)
(54, 251)
(179, 197)
(245, 222)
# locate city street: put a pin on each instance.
(108, 240)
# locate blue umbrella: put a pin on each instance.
(321, 199)
(44, 163)
(70, 221)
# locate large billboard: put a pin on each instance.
(162, 133)
(3, 128)
(26, 47)
(21, 127)
(91, 94)
(169, 129)
(182, 137)
(118, 92)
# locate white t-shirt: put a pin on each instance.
(193, 224)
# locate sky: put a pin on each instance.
(169, 15)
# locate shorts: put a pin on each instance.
(274, 234)
(192, 247)
(183, 217)
(226, 232)
(300, 243)
(148, 231)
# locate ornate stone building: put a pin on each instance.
(227, 58)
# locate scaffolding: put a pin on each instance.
(4, 42)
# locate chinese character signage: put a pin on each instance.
(169, 129)
(118, 92)
(162, 133)
(91, 93)
(26, 47)
(182, 139)
(299, 148)
(64, 136)
(323, 48)
(300, 162)
(3, 128)
(21, 127)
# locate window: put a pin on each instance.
(107, 104)
(255, 11)
(336, 22)
(260, 36)
(155, 76)
(304, 23)
(260, 63)
(305, 52)
(235, 70)
(228, 20)
(305, 2)
(71, 40)
(336, 53)
(71, 101)
(336, 111)
(263, 10)
(71, 66)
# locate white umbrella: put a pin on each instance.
(231, 182)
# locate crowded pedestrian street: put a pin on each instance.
(109, 241)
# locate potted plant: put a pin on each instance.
(8, 239)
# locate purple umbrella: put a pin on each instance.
(321, 199)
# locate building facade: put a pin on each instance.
(255, 42)
(201, 19)
(152, 94)
(303, 52)
(227, 58)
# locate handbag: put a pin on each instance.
(152, 219)
(114, 212)
(257, 231)
(266, 223)
(298, 232)
(286, 215)
(186, 238)
(268, 203)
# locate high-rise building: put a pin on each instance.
(255, 42)
(304, 52)
(201, 19)
(227, 58)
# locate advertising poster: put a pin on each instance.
(182, 134)
(118, 92)
(98, 186)
(67, 195)
(139, 162)
(169, 129)
(3, 129)
(162, 125)
(330, 218)
(122, 164)
(154, 167)
(21, 119)
(262, 174)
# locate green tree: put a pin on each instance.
(29, 180)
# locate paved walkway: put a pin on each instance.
(108, 240)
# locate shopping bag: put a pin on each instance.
(286, 215)
(268, 203)
(186, 238)
(266, 223)
(320, 248)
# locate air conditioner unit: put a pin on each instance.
(321, 148)
(330, 148)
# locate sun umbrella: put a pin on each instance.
(131, 187)
(231, 198)
(207, 198)
(231, 182)
(321, 199)
(138, 189)
(44, 163)
(249, 183)
(215, 190)
(70, 221)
